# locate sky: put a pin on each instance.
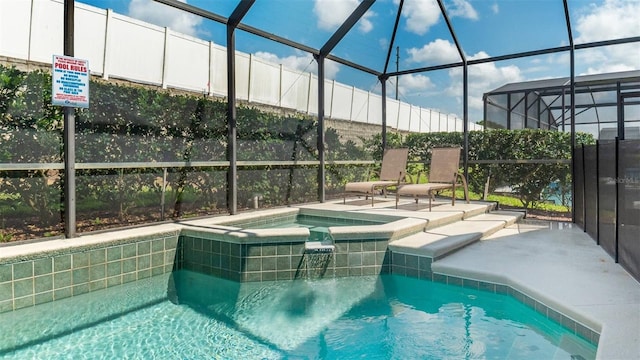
(484, 28)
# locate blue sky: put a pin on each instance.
(484, 28)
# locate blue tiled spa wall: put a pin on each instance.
(266, 261)
(50, 276)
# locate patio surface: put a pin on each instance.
(557, 264)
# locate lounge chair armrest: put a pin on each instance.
(420, 175)
(465, 186)
(402, 178)
(463, 180)
(371, 174)
(410, 177)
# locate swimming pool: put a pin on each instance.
(190, 315)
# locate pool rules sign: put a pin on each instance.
(70, 82)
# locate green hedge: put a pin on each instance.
(141, 124)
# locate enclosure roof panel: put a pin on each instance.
(584, 80)
(419, 47)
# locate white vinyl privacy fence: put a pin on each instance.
(121, 47)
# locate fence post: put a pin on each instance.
(617, 207)
(573, 184)
(69, 133)
(353, 96)
(333, 92)
(309, 93)
(280, 86)
(597, 192)
(211, 72)
(165, 65)
(31, 25)
(584, 191)
(250, 71)
(107, 40)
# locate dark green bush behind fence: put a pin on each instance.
(140, 124)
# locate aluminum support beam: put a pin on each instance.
(620, 111)
(345, 27)
(393, 36)
(320, 130)
(232, 127)
(383, 79)
(465, 110)
(572, 118)
(465, 91)
(320, 58)
(383, 82)
(69, 134)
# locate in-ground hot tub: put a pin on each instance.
(270, 245)
(318, 225)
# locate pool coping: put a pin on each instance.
(394, 227)
(36, 250)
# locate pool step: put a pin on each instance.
(440, 241)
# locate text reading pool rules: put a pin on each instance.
(70, 82)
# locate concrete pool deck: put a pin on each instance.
(557, 264)
(563, 269)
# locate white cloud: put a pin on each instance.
(613, 19)
(365, 25)
(384, 43)
(411, 83)
(163, 15)
(438, 51)
(609, 59)
(305, 63)
(495, 8)
(482, 78)
(462, 8)
(332, 13)
(420, 15)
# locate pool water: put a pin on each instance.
(187, 315)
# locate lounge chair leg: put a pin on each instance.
(453, 195)
(373, 189)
